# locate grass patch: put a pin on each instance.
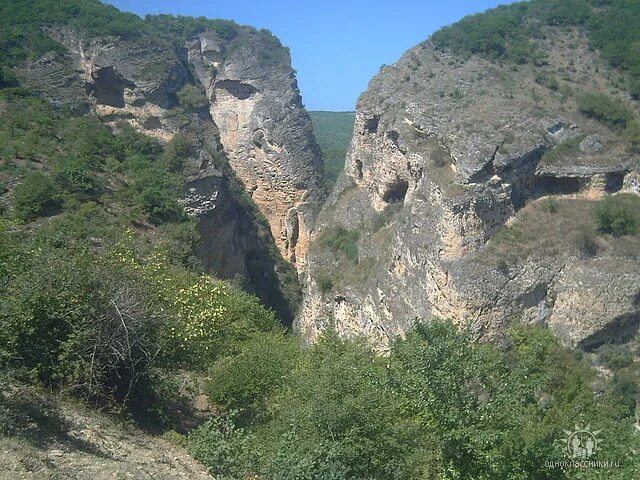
(568, 148)
(341, 240)
(537, 231)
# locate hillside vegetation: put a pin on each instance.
(333, 131)
(505, 33)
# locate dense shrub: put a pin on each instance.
(615, 216)
(97, 324)
(632, 136)
(615, 31)
(615, 356)
(605, 109)
(177, 151)
(505, 33)
(564, 149)
(325, 284)
(70, 321)
(439, 406)
(550, 205)
(209, 318)
(180, 28)
(89, 16)
(562, 12)
(76, 176)
(243, 381)
(223, 448)
(336, 417)
(586, 243)
(36, 195)
(494, 33)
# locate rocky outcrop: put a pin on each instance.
(452, 165)
(252, 138)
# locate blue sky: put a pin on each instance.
(336, 45)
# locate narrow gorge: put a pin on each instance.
(201, 279)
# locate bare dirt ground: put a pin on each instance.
(48, 438)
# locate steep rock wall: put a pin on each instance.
(266, 133)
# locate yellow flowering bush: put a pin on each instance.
(206, 317)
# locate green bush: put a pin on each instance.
(550, 205)
(242, 382)
(75, 176)
(615, 356)
(562, 12)
(605, 109)
(35, 196)
(192, 98)
(505, 33)
(223, 448)
(615, 32)
(177, 151)
(615, 217)
(564, 149)
(179, 28)
(547, 79)
(325, 284)
(493, 33)
(632, 136)
(336, 418)
(71, 321)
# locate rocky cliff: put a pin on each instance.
(468, 195)
(231, 93)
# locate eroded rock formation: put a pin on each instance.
(452, 163)
(266, 133)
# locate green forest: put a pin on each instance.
(333, 132)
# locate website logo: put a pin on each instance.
(581, 443)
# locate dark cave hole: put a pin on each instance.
(108, 87)
(240, 90)
(371, 125)
(396, 191)
(614, 182)
(548, 185)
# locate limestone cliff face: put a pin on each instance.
(469, 184)
(265, 131)
(250, 135)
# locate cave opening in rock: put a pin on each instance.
(614, 182)
(549, 185)
(240, 90)
(108, 87)
(371, 125)
(396, 191)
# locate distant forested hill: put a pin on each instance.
(333, 132)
